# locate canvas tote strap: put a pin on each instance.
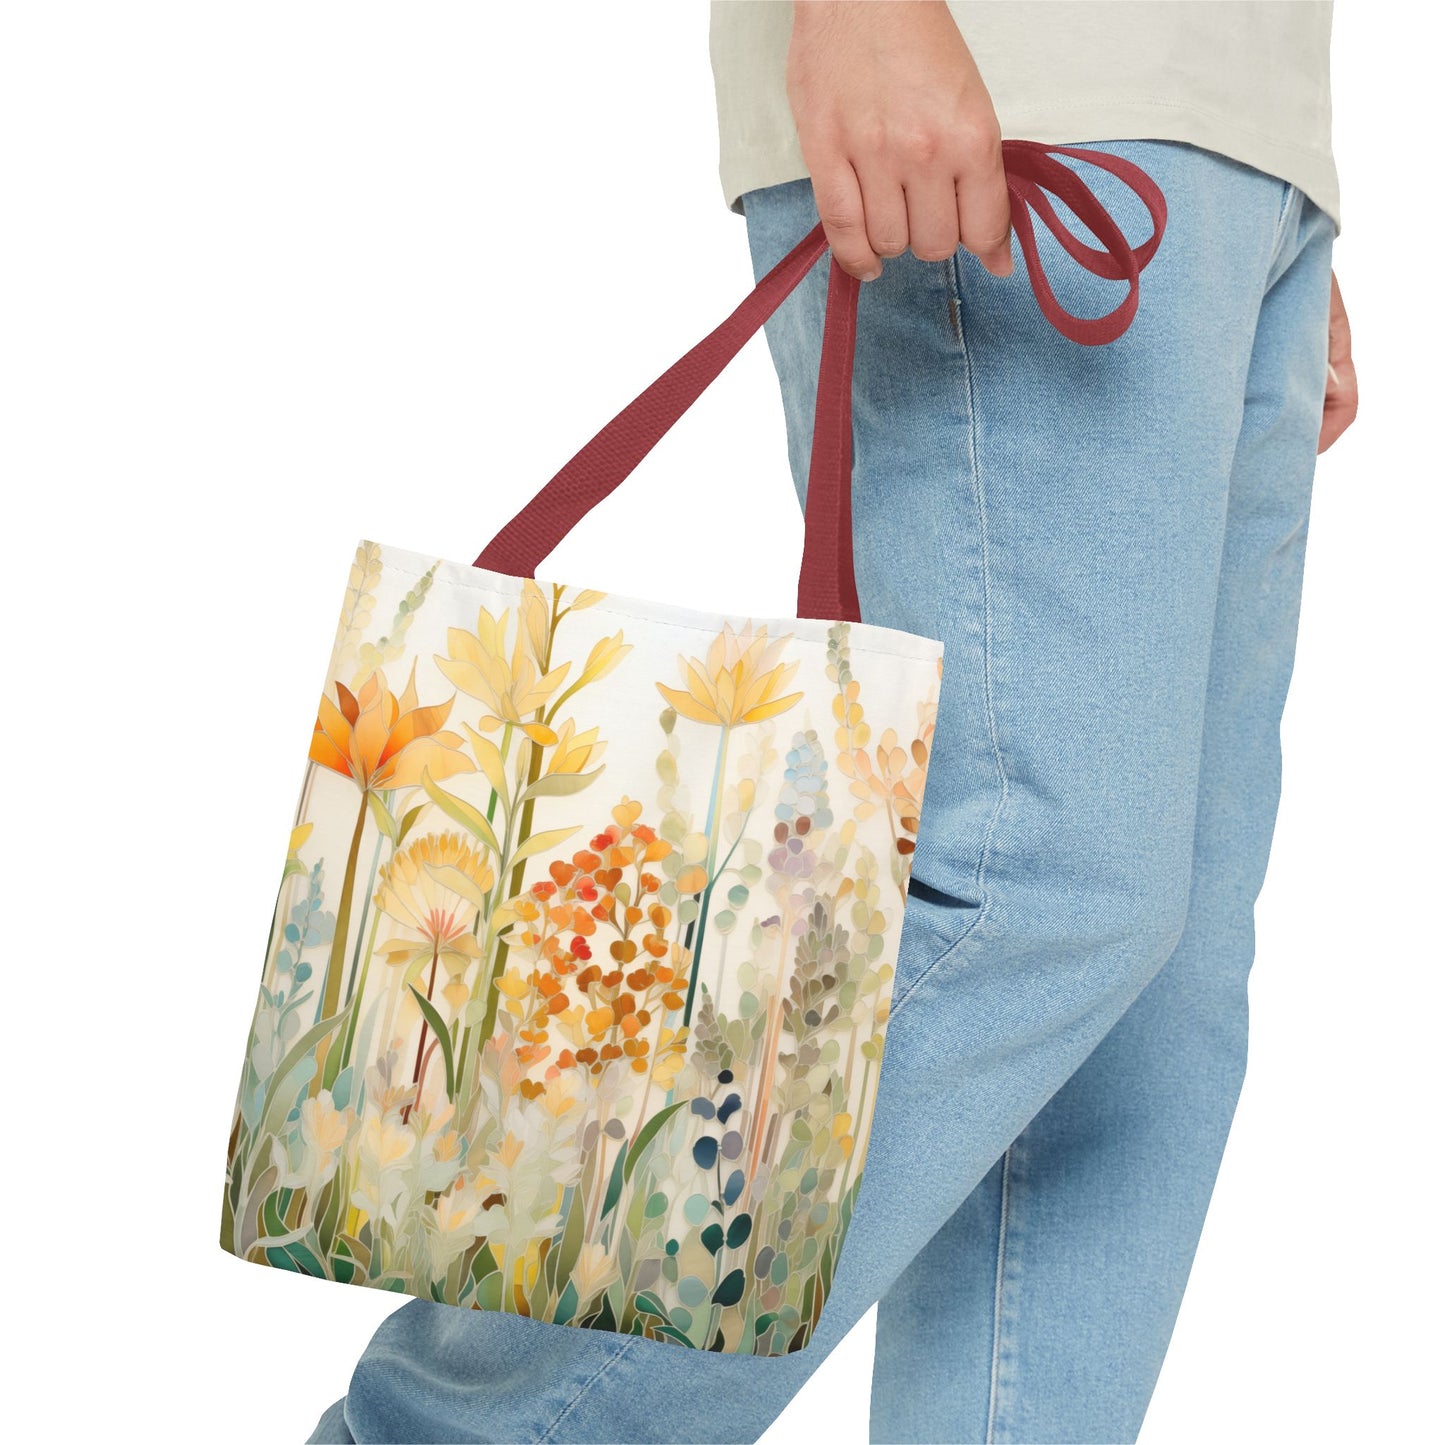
(826, 586)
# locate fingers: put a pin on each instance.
(885, 211)
(932, 217)
(1342, 404)
(942, 201)
(1342, 391)
(983, 206)
(840, 208)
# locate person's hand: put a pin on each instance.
(1342, 392)
(898, 133)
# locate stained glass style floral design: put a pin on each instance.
(574, 1002)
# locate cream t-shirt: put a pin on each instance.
(1249, 79)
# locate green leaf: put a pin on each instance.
(645, 1136)
(381, 816)
(300, 1052)
(614, 1185)
(566, 1305)
(439, 1028)
(353, 1247)
(673, 1334)
(559, 785)
(605, 1318)
(408, 822)
(651, 1304)
(739, 1230)
(730, 1291)
(712, 1238)
(460, 811)
(570, 1245)
(306, 1260)
(489, 1291)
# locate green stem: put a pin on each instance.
(336, 964)
(484, 968)
(365, 913)
(722, 952)
(714, 827)
(492, 970)
(360, 994)
(416, 1074)
(857, 1130)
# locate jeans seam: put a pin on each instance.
(970, 397)
(986, 574)
(990, 1432)
(1279, 225)
(551, 1431)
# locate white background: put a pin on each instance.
(278, 276)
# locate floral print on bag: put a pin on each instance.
(573, 1005)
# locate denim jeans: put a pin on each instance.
(1110, 542)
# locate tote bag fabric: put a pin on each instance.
(576, 989)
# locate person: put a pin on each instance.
(1110, 542)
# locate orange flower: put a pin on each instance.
(382, 741)
(605, 1012)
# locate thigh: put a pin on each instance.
(1049, 1298)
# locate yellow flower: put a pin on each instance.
(384, 1144)
(323, 1126)
(670, 1056)
(381, 741)
(433, 890)
(455, 1226)
(594, 1270)
(560, 1094)
(569, 1023)
(380, 1181)
(509, 1151)
(606, 653)
(456, 1212)
(738, 682)
(513, 984)
(575, 752)
(511, 690)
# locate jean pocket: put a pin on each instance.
(935, 924)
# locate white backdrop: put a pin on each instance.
(278, 276)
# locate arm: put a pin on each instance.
(898, 132)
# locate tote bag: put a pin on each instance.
(576, 988)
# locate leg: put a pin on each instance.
(1058, 1282)
(1074, 580)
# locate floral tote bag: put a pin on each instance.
(574, 998)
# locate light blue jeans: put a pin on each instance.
(1110, 543)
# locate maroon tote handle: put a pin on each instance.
(826, 586)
